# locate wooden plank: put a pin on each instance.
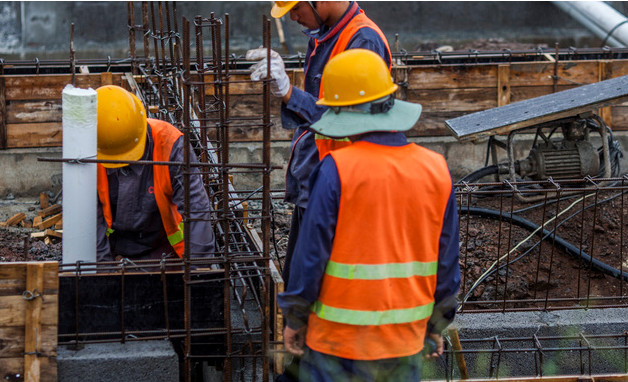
(13, 366)
(34, 111)
(503, 85)
(15, 219)
(49, 86)
(44, 200)
(34, 134)
(3, 115)
(540, 73)
(605, 71)
(444, 100)
(106, 78)
(53, 233)
(33, 333)
(521, 93)
(619, 118)
(54, 209)
(541, 109)
(13, 344)
(48, 222)
(451, 77)
(13, 308)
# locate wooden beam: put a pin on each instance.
(503, 85)
(3, 116)
(14, 220)
(48, 222)
(606, 72)
(54, 209)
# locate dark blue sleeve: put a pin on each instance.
(314, 244)
(367, 38)
(448, 274)
(202, 241)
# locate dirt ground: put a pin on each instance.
(546, 272)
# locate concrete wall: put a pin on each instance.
(42, 29)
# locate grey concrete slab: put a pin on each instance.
(141, 361)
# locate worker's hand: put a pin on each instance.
(281, 84)
(294, 340)
(433, 346)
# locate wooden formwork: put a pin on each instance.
(30, 105)
(31, 110)
(28, 320)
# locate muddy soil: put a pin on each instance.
(539, 273)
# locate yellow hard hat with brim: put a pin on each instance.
(121, 126)
(355, 83)
(280, 8)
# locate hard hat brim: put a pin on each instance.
(401, 117)
(278, 12)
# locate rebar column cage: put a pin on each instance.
(567, 250)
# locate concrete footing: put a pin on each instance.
(140, 361)
(568, 342)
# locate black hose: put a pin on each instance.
(481, 173)
(562, 243)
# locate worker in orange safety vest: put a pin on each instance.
(375, 271)
(140, 206)
(332, 27)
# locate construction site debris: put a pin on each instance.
(14, 220)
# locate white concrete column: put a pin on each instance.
(79, 179)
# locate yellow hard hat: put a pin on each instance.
(280, 8)
(121, 125)
(355, 76)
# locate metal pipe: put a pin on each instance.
(600, 18)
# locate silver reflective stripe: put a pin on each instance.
(380, 271)
(372, 317)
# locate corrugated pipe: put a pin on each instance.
(600, 18)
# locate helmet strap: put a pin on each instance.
(382, 105)
(316, 15)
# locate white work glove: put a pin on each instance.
(281, 84)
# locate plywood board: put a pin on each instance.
(49, 86)
(34, 134)
(34, 111)
(28, 319)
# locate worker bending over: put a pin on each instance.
(332, 27)
(375, 268)
(140, 206)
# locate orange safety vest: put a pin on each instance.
(327, 144)
(164, 135)
(377, 293)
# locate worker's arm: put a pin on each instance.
(313, 246)
(448, 274)
(301, 105)
(202, 242)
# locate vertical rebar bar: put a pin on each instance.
(186, 127)
(146, 29)
(266, 203)
(131, 26)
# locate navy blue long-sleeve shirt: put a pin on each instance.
(138, 229)
(302, 111)
(313, 248)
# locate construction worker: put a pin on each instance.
(375, 269)
(140, 206)
(332, 27)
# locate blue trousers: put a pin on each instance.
(319, 367)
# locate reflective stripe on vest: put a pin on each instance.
(164, 136)
(176, 237)
(380, 281)
(380, 271)
(359, 21)
(377, 317)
